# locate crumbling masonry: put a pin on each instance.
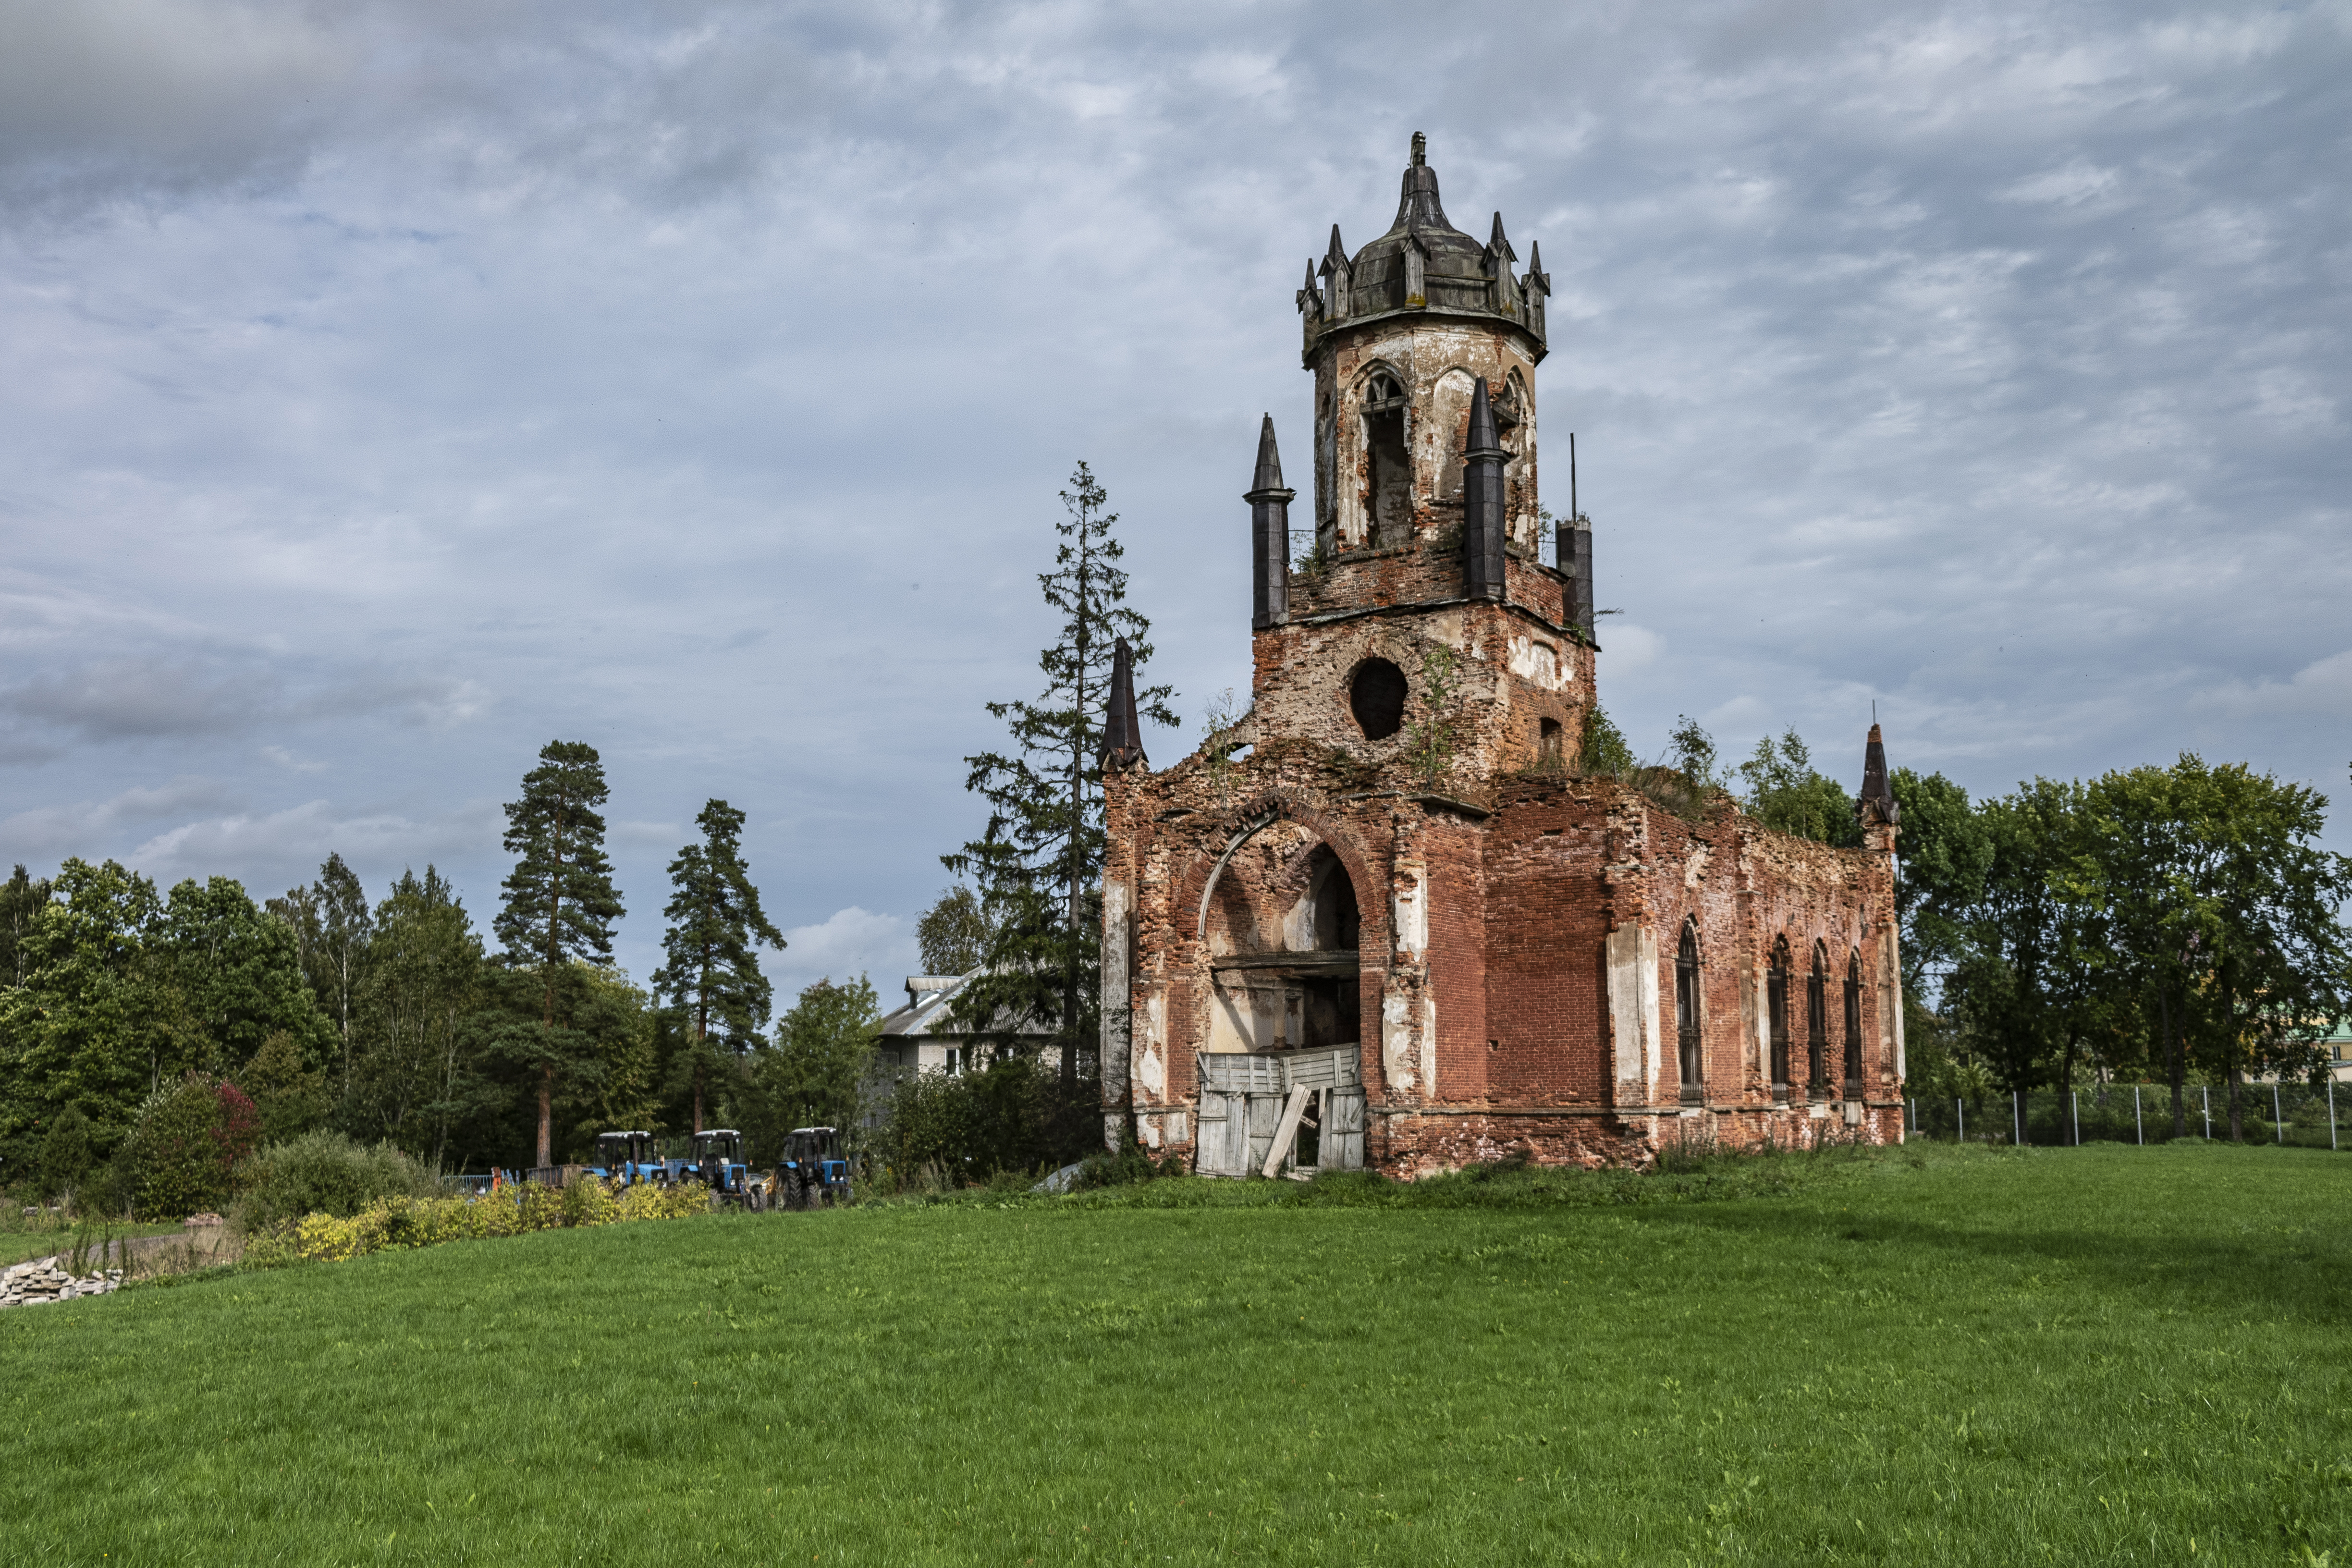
(1387, 920)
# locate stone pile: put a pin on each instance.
(29, 1284)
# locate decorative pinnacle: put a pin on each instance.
(1497, 245)
(1876, 805)
(1122, 743)
(1267, 480)
(1484, 440)
(1419, 149)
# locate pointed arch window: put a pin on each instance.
(1686, 1032)
(1816, 1023)
(1776, 1006)
(1853, 1024)
(1388, 468)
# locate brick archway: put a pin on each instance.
(1338, 1079)
(1245, 822)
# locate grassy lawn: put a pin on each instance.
(1935, 1355)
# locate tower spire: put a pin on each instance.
(1269, 504)
(1122, 743)
(1482, 500)
(1876, 805)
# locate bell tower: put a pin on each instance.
(1426, 523)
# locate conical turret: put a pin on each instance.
(1122, 744)
(1482, 500)
(1875, 806)
(1269, 505)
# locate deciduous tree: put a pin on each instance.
(952, 937)
(420, 1079)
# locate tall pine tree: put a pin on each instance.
(559, 913)
(1040, 861)
(712, 968)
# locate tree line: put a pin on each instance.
(402, 1021)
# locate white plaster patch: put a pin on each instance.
(1151, 1073)
(1696, 866)
(1298, 927)
(1539, 663)
(1396, 1040)
(1151, 1130)
(1411, 903)
(1633, 955)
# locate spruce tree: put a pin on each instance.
(712, 972)
(559, 906)
(1040, 861)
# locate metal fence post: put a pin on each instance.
(1915, 1113)
(2075, 1113)
(2205, 1093)
(2331, 1110)
(2017, 1115)
(2139, 1127)
(1960, 1114)
(2278, 1117)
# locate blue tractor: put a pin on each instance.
(626, 1158)
(813, 1170)
(719, 1166)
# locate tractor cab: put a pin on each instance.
(813, 1170)
(626, 1157)
(719, 1162)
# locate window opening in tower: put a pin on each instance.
(1390, 504)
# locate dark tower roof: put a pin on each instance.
(1122, 743)
(1482, 438)
(1269, 460)
(1454, 272)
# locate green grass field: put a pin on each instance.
(2103, 1355)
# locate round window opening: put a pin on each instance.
(1376, 696)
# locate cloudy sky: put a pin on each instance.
(387, 389)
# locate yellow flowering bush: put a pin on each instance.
(395, 1222)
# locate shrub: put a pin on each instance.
(189, 1137)
(67, 1156)
(401, 1221)
(323, 1173)
(1013, 1116)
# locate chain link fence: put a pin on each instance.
(2284, 1113)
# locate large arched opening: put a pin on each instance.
(1282, 1085)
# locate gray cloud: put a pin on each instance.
(168, 699)
(111, 96)
(123, 698)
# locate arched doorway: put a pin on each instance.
(1282, 1072)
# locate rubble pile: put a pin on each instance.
(29, 1284)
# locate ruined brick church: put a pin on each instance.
(1388, 920)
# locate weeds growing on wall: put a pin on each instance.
(1430, 743)
(1217, 745)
